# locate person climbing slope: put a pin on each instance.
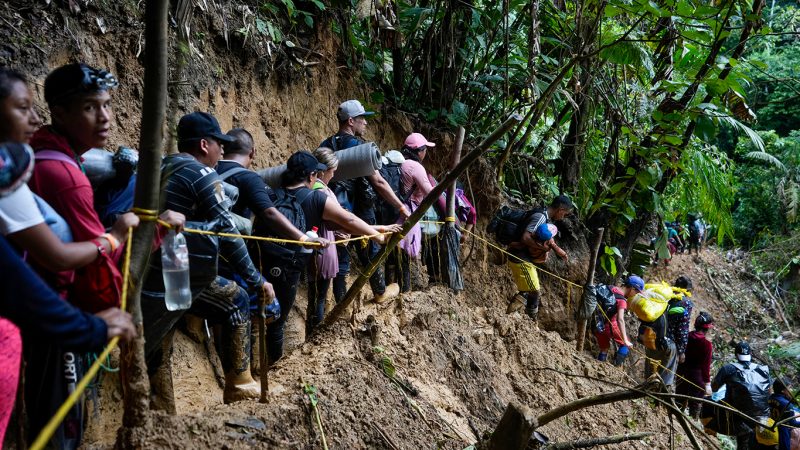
(695, 369)
(659, 348)
(610, 320)
(679, 316)
(784, 408)
(524, 271)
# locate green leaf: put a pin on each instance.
(704, 128)
(717, 86)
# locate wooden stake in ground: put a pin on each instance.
(589, 281)
(136, 388)
(452, 175)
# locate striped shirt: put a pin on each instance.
(196, 191)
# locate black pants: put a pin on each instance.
(432, 257)
(317, 296)
(284, 281)
(398, 269)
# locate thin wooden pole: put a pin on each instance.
(589, 281)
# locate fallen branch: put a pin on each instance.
(385, 437)
(777, 305)
(720, 293)
(434, 195)
(585, 443)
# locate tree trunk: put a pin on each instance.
(594, 442)
(134, 369)
(514, 430)
(589, 281)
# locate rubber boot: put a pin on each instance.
(517, 303)
(622, 353)
(532, 307)
(392, 291)
(602, 356)
(239, 383)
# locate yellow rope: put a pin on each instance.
(497, 247)
(52, 425)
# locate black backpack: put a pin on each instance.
(386, 213)
(508, 224)
(606, 301)
(748, 389)
(290, 204)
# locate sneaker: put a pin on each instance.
(392, 291)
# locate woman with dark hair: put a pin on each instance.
(282, 264)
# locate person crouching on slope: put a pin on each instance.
(522, 268)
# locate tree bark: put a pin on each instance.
(452, 175)
(589, 281)
(134, 370)
(514, 430)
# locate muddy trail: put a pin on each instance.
(456, 361)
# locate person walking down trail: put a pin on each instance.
(193, 188)
(679, 316)
(784, 408)
(659, 348)
(610, 321)
(694, 371)
(306, 209)
(524, 271)
(696, 234)
(746, 389)
(361, 194)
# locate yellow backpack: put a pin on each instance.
(648, 305)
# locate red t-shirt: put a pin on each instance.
(67, 189)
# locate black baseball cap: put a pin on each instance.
(201, 125)
(304, 163)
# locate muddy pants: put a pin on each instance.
(285, 282)
(666, 363)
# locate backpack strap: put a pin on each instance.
(232, 172)
(54, 155)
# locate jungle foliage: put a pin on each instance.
(642, 110)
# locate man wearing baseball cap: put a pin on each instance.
(361, 193)
(194, 189)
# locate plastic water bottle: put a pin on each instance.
(175, 267)
(312, 234)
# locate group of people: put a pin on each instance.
(54, 241)
(676, 237)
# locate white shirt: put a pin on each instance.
(18, 211)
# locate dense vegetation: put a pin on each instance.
(642, 110)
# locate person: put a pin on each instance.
(784, 408)
(325, 264)
(611, 321)
(746, 389)
(659, 348)
(283, 264)
(86, 272)
(360, 193)
(544, 242)
(696, 231)
(416, 184)
(194, 189)
(37, 309)
(679, 316)
(664, 247)
(694, 371)
(522, 267)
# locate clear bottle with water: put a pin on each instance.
(312, 234)
(175, 267)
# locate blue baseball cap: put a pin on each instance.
(634, 282)
(543, 232)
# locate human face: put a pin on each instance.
(359, 125)
(423, 153)
(18, 119)
(86, 121)
(327, 175)
(212, 152)
(560, 213)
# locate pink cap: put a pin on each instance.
(553, 229)
(416, 140)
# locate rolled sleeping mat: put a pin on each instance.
(272, 175)
(354, 162)
(99, 166)
(358, 161)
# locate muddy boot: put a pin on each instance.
(621, 355)
(532, 307)
(392, 291)
(195, 328)
(239, 384)
(517, 303)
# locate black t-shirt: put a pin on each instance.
(313, 205)
(253, 192)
